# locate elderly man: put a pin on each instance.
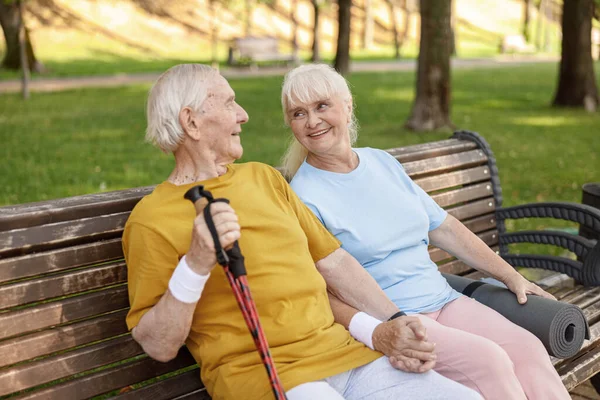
(177, 296)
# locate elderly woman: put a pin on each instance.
(177, 296)
(365, 198)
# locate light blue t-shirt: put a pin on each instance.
(382, 218)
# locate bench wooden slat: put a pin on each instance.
(576, 295)
(455, 267)
(70, 208)
(559, 293)
(201, 394)
(482, 223)
(441, 164)
(59, 285)
(49, 341)
(71, 232)
(581, 369)
(35, 373)
(57, 260)
(429, 150)
(474, 209)
(453, 179)
(59, 312)
(113, 378)
(182, 384)
(588, 298)
(467, 193)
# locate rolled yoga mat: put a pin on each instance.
(560, 326)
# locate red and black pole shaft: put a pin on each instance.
(232, 262)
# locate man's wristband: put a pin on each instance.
(361, 328)
(186, 285)
(398, 314)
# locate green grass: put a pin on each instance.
(90, 140)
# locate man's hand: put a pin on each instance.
(404, 341)
(201, 256)
(521, 287)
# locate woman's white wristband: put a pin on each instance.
(186, 285)
(361, 328)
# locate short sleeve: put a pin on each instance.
(321, 242)
(150, 264)
(436, 214)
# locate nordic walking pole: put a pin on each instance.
(232, 262)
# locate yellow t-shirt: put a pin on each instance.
(281, 240)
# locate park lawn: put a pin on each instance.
(91, 140)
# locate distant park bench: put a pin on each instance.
(515, 44)
(63, 280)
(251, 50)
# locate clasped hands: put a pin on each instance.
(404, 341)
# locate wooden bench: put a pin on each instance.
(63, 291)
(251, 50)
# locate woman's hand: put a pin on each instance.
(521, 287)
(404, 341)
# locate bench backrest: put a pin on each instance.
(252, 46)
(63, 293)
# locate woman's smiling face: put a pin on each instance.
(322, 125)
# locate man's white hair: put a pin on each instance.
(308, 84)
(183, 85)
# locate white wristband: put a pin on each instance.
(186, 285)
(361, 328)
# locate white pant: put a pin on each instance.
(380, 381)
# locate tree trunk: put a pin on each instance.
(392, 10)
(431, 109)
(576, 81)
(23, 52)
(342, 55)
(10, 19)
(294, 43)
(367, 42)
(406, 24)
(453, 28)
(526, 19)
(540, 24)
(316, 56)
(214, 34)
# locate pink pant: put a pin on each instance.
(481, 349)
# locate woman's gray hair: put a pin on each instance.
(183, 85)
(308, 84)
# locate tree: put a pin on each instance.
(214, 33)
(316, 54)
(526, 18)
(11, 21)
(392, 11)
(368, 25)
(576, 81)
(294, 41)
(23, 52)
(342, 55)
(431, 109)
(399, 39)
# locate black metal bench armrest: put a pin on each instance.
(587, 271)
(579, 213)
(552, 263)
(574, 243)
